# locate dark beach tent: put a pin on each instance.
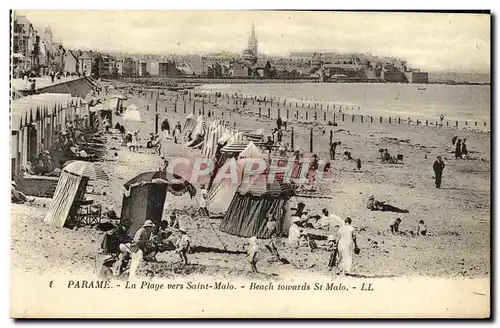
(144, 197)
(454, 139)
(251, 204)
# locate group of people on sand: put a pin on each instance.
(420, 231)
(175, 133)
(148, 240)
(341, 242)
(461, 151)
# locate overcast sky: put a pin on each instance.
(459, 42)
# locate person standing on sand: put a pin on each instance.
(346, 244)
(464, 149)
(458, 149)
(252, 251)
(183, 245)
(203, 201)
(279, 122)
(333, 147)
(438, 171)
(165, 127)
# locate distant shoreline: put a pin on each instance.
(195, 81)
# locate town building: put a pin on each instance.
(129, 67)
(119, 66)
(85, 63)
(142, 68)
(167, 69)
(71, 62)
(26, 44)
(153, 68)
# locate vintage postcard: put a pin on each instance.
(250, 164)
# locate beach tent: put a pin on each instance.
(197, 134)
(253, 201)
(223, 187)
(132, 114)
(70, 190)
(251, 151)
(189, 124)
(144, 197)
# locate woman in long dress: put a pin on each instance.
(346, 244)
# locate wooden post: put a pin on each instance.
(184, 107)
(343, 117)
(361, 118)
(331, 136)
(311, 141)
(260, 110)
(334, 117)
(324, 116)
(456, 124)
(352, 117)
(269, 112)
(292, 139)
(279, 112)
(315, 116)
(203, 106)
(297, 114)
(287, 114)
(194, 107)
(371, 119)
(296, 105)
(307, 115)
(156, 123)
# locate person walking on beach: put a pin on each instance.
(458, 149)
(333, 147)
(165, 127)
(183, 245)
(252, 251)
(346, 245)
(203, 201)
(438, 171)
(279, 122)
(464, 149)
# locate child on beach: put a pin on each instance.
(421, 229)
(252, 251)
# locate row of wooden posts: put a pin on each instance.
(341, 116)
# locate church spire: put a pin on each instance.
(252, 41)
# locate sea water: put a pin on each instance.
(425, 101)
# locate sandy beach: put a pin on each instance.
(457, 215)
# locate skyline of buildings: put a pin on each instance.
(151, 32)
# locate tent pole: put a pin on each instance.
(215, 232)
